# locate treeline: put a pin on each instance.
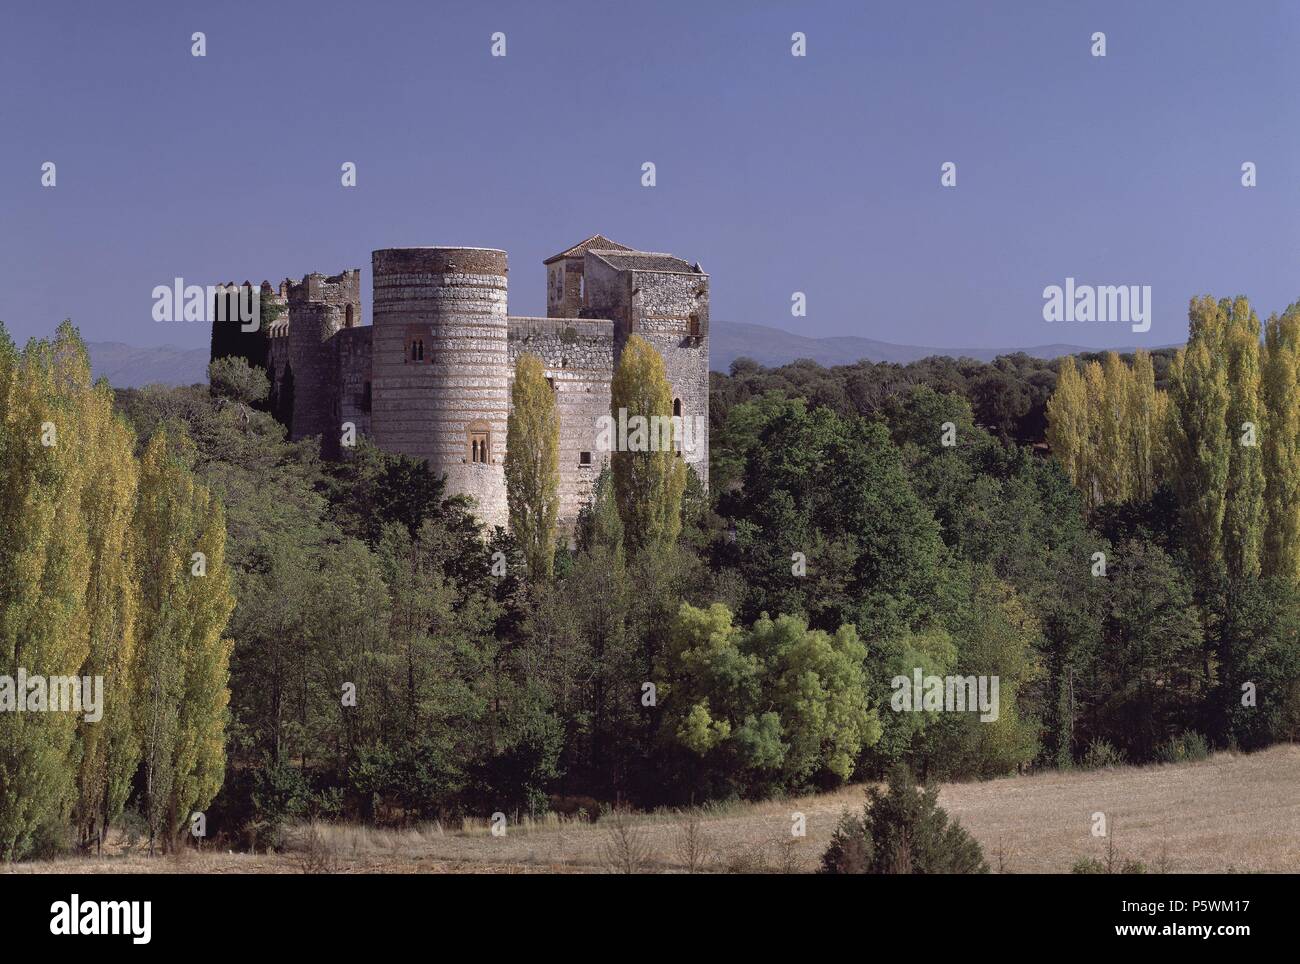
(1008, 396)
(1208, 471)
(111, 567)
(395, 661)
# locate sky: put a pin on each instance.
(779, 174)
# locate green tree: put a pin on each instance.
(44, 560)
(649, 475)
(771, 707)
(902, 830)
(1201, 444)
(1244, 497)
(183, 659)
(1281, 445)
(110, 746)
(532, 466)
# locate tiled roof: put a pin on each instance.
(598, 241)
(646, 261)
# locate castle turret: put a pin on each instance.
(440, 365)
(319, 306)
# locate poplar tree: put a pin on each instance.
(199, 761)
(110, 750)
(1144, 412)
(44, 559)
(650, 477)
(1116, 431)
(1280, 391)
(1200, 441)
(183, 660)
(1094, 379)
(532, 466)
(1067, 423)
(1244, 497)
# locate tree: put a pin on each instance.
(233, 378)
(770, 707)
(649, 475)
(1281, 445)
(183, 657)
(229, 339)
(532, 466)
(1142, 684)
(1244, 497)
(902, 831)
(1200, 396)
(110, 746)
(44, 560)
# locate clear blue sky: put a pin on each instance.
(778, 174)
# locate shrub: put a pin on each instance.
(235, 379)
(1188, 745)
(1102, 753)
(902, 831)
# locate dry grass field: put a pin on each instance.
(1228, 813)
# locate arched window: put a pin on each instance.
(480, 442)
(349, 320)
(415, 352)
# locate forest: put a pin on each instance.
(283, 637)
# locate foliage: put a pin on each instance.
(532, 466)
(902, 830)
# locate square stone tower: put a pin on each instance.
(665, 300)
(565, 289)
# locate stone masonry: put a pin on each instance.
(430, 378)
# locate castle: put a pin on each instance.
(431, 377)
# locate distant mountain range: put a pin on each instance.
(730, 340)
(126, 366)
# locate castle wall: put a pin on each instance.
(318, 308)
(579, 359)
(659, 306)
(354, 391)
(663, 304)
(608, 292)
(436, 407)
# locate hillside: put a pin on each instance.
(774, 346)
(128, 366)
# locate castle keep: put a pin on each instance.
(430, 378)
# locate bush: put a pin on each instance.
(235, 379)
(1188, 745)
(902, 831)
(1102, 753)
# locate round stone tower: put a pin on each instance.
(440, 369)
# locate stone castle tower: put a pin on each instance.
(431, 377)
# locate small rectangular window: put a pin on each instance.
(584, 458)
